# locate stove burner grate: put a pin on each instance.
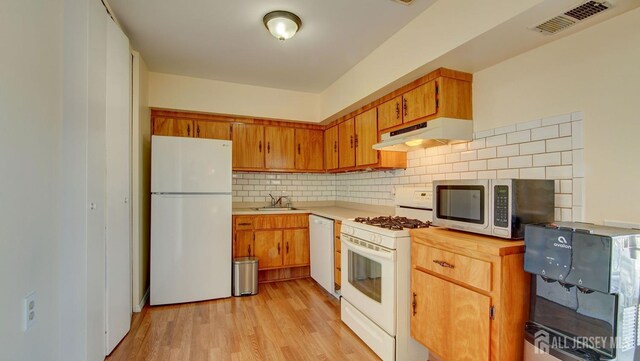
(393, 223)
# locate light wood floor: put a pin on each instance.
(291, 320)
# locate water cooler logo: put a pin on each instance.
(562, 243)
(541, 342)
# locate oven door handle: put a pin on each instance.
(364, 250)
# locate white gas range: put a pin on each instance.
(376, 268)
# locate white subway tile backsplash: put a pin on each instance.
(578, 163)
(566, 186)
(519, 137)
(496, 140)
(452, 157)
(533, 173)
(459, 147)
(532, 147)
(560, 172)
(567, 158)
(559, 144)
(505, 130)
(547, 132)
(577, 116)
(578, 192)
(547, 159)
(469, 155)
(556, 119)
(487, 153)
(563, 200)
(483, 134)
(508, 173)
(529, 125)
(477, 144)
(577, 141)
(469, 175)
(461, 167)
(478, 165)
(498, 163)
(565, 129)
(508, 150)
(520, 161)
(487, 174)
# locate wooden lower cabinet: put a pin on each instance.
(280, 242)
(337, 254)
(268, 248)
(470, 295)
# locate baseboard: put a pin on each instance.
(138, 308)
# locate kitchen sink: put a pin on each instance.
(276, 209)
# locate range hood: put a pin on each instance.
(430, 133)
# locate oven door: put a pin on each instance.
(369, 280)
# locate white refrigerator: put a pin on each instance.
(190, 219)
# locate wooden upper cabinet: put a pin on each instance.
(248, 145)
(331, 148)
(366, 136)
(420, 102)
(296, 247)
(173, 127)
(212, 130)
(279, 147)
(390, 113)
(346, 144)
(309, 149)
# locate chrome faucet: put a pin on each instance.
(278, 202)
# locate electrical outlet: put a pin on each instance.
(29, 310)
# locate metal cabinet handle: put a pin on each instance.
(287, 247)
(397, 110)
(278, 248)
(404, 106)
(198, 131)
(335, 146)
(443, 264)
(268, 147)
(351, 141)
(298, 148)
(260, 146)
(414, 303)
(356, 140)
(244, 224)
(188, 130)
(339, 269)
(248, 250)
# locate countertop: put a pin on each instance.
(457, 240)
(333, 212)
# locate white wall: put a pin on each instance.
(30, 124)
(203, 95)
(595, 71)
(141, 180)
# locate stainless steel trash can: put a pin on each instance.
(245, 276)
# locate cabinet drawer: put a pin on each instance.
(471, 271)
(280, 221)
(243, 223)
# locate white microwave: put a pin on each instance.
(495, 207)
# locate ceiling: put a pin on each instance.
(227, 41)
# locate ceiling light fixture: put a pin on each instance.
(281, 24)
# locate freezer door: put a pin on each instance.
(190, 248)
(190, 165)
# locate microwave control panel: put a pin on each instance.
(501, 206)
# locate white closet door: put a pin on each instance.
(118, 175)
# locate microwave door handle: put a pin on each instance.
(367, 251)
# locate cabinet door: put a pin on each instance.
(248, 145)
(213, 130)
(450, 320)
(309, 149)
(331, 148)
(296, 247)
(268, 248)
(346, 144)
(366, 137)
(244, 246)
(279, 144)
(173, 127)
(390, 113)
(420, 102)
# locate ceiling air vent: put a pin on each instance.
(571, 17)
